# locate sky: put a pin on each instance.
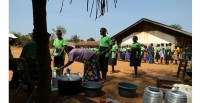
(75, 18)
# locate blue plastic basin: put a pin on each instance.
(92, 89)
(126, 89)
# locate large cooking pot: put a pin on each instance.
(175, 97)
(69, 85)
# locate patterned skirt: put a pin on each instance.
(91, 69)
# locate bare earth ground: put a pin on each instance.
(147, 71)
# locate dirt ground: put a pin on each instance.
(147, 71)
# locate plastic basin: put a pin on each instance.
(92, 89)
(126, 89)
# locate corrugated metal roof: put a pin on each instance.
(153, 22)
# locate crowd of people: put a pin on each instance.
(95, 59)
(138, 53)
(152, 55)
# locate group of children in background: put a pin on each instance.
(161, 53)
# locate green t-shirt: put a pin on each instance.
(113, 50)
(105, 42)
(136, 46)
(168, 49)
(29, 53)
(158, 49)
(95, 50)
(59, 44)
(91, 49)
(123, 50)
(142, 50)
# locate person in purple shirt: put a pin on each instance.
(90, 60)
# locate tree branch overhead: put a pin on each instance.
(100, 6)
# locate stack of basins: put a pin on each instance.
(175, 97)
(152, 95)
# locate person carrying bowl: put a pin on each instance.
(58, 51)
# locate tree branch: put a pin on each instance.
(91, 8)
(61, 6)
(100, 6)
(87, 4)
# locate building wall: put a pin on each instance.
(155, 37)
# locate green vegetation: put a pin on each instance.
(24, 39)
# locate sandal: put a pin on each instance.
(134, 75)
(111, 72)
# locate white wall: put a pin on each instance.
(148, 37)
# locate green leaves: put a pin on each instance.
(176, 26)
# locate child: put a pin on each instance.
(157, 53)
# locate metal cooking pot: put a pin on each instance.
(69, 85)
(175, 97)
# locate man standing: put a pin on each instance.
(12, 62)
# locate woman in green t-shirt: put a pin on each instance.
(135, 58)
(168, 53)
(158, 49)
(58, 52)
(166, 58)
(113, 56)
(104, 47)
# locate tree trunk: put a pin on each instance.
(43, 53)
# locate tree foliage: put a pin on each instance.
(75, 39)
(61, 28)
(91, 39)
(176, 26)
(22, 39)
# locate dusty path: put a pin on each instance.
(147, 71)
